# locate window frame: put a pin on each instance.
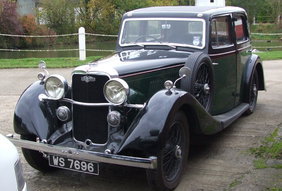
(245, 28)
(229, 17)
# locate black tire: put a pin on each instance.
(201, 81)
(34, 158)
(172, 157)
(253, 93)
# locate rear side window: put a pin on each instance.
(220, 33)
(240, 30)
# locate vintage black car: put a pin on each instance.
(177, 72)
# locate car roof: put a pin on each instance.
(182, 11)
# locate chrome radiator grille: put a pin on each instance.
(89, 122)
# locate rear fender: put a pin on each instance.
(254, 63)
(33, 116)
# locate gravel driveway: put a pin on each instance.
(217, 162)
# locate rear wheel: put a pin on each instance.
(35, 158)
(172, 157)
(253, 93)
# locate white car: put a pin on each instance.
(11, 174)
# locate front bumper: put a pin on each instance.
(148, 163)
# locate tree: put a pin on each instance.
(9, 19)
(261, 9)
(186, 2)
(31, 27)
(9, 24)
(124, 6)
(162, 2)
(276, 6)
(59, 15)
(98, 16)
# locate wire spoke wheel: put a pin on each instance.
(253, 93)
(200, 83)
(173, 155)
(201, 88)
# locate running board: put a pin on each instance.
(227, 118)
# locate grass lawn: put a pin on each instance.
(51, 62)
(67, 62)
(270, 55)
(270, 148)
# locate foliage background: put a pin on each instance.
(103, 16)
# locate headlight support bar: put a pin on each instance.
(43, 97)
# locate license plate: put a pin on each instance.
(74, 164)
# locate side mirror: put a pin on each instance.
(184, 71)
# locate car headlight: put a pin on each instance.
(56, 86)
(116, 91)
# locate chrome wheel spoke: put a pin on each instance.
(172, 154)
(201, 86)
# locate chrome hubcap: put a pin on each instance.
(206, 89)
(178, 152)
(255, 90)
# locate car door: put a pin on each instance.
(223, 54)
(243, 47)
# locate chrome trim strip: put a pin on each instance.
(149, 163)
(223, 46)
(243, 42)
(243, 48)
(223, 54)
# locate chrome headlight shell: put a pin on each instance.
(116, 91)
(56, 87)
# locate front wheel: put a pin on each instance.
(172, 157)
(35, 158)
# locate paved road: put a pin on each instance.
(215, 163)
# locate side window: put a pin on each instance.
(220, 32)
(240, 30)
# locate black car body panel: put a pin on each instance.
(32, 116)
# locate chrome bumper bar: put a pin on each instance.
(149, 163)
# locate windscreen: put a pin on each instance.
(183, 32)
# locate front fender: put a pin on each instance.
(146, 135)
(33, 116)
